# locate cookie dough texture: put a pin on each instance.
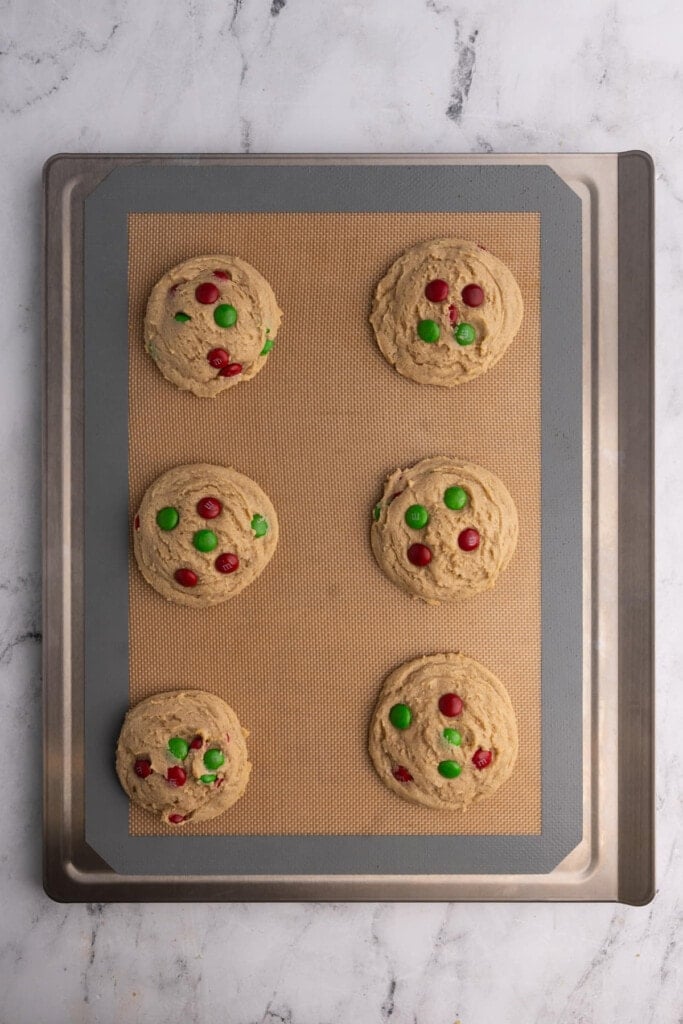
(452, 573)
(191, 715)
(400, 304)
(160, 553)
(180, 347)
(486, 722)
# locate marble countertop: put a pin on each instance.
(296, 75)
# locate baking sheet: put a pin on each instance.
(515, 419)
(91, 872)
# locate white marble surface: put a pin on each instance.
(301, 75)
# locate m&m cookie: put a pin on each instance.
(183, 756)
(443, 732)
(446, 311)
(203, 533)
(211, 323)
(444, 530)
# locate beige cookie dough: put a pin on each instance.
(203, 533)
(441, 553)
(216, 308)
(443, 733)
(468, 302)
(182, 755)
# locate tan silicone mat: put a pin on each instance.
(302, 653)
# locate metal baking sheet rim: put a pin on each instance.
(161, 188)
(615, 857)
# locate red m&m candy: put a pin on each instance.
(227, 562)
(468, 540)
(197, 743)
(142, 768)
(222, 274)
(472, 295)
(450, 705)
(453, 314)
(209, 508)
(185, 577)
(218, 358)
(419, 554)
(176, 775)
(206, 293)
(176, 819)
(231, 370)
(482, 758)
(401, 774)
(437, 291)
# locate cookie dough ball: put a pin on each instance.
(446, 312)
(444, 530)
(183, 756)
(210, 323)
(203, 533)
(443, 733)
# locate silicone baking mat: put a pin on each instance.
(302, 653)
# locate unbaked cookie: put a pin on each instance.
(210, 323)
(443, 733)
(446, 311)
(183, 756)
(443, 529)
(203, 533)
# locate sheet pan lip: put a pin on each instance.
(637, 835)
(62, 881)
(65, 882)
(74, 158)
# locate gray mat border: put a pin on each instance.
(327, 188)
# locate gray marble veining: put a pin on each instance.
(296, 75)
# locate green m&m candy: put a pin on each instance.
(207, 779)
(182, 318)
(376, 512)
(205, 540)
(452, 736)
(417, 517)
(259, 525)
(267, 347)
(400, 716)
(225, 315)
(429, 331)
(455, 498)
(464, 334)
(213, 758)
(167, 518)
(449, 769)
(178, 747)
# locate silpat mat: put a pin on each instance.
(301, 654)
